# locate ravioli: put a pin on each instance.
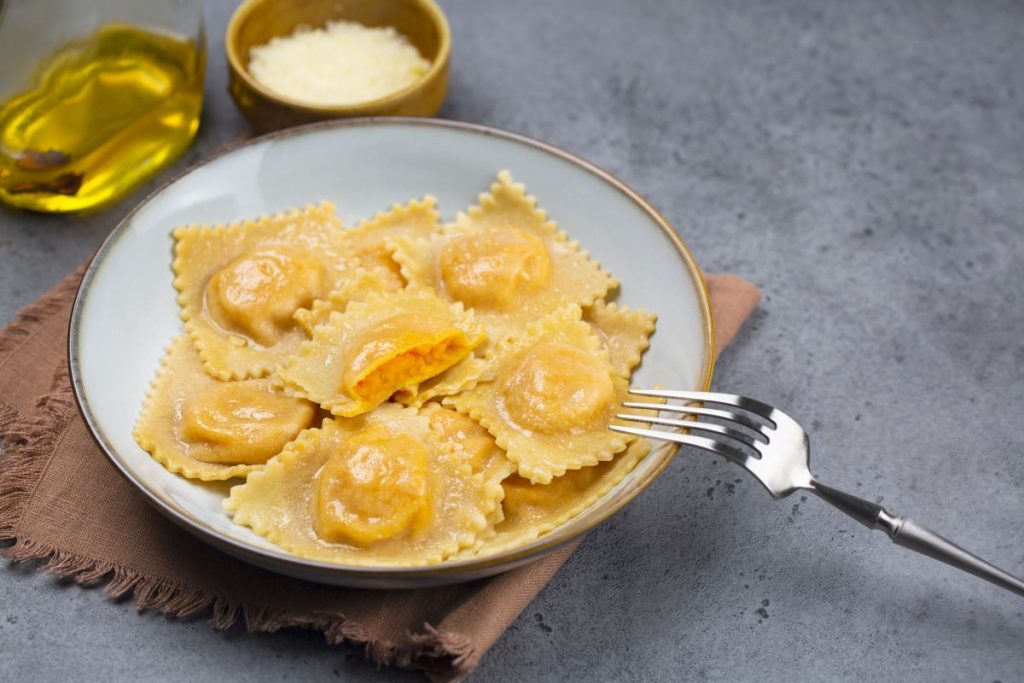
(359, 358)
(548, 397)
(355, 285)
(371, 490)
(532, 510)
(239, 285)
(504, 259)
(417, 219)
(205, 429)
(623, 331)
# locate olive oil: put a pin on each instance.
(103, 114)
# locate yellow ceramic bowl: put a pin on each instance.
(255, 22)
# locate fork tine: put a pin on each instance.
(738, 418)
(757, 407)
(725, 450)
(742, 437)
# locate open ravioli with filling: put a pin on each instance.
(461, 376)
(504, 259)
(239, 285)
(203, 428)
(376, 489)
(548, 397)
(359, 358)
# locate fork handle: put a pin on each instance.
(907, 533)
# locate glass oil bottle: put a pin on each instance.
(100, 112)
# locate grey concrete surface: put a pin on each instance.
(863, 162)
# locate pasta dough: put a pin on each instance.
(210, 430)
(360, 357)
(624, 332)
(504, 259)
(240, 284)
(531, 510)
(467, 437)
(371, 490)
(549, 397)
(355, 285)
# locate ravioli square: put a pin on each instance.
(359, 358)
(548, 397)
(239, 285)
(206, 429)
(371, 490)
(505, 259)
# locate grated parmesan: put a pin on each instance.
(342, 63)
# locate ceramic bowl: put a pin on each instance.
(125, 313)
(255, 22)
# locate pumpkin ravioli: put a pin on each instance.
(239, 285)
(206, 429)
(548, 397)
(359, 358)
(504, 259)
(371, 490)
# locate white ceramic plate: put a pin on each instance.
(125, 313)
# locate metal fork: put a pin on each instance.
(770, 444)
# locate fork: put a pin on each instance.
(773, 447)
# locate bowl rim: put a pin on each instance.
(437, 65)
(507, 559)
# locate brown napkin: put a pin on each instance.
(63, 504)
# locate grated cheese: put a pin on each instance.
(342, 63)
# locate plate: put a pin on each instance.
(125, 313)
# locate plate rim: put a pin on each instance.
(498, 562)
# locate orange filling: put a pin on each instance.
(402, 350)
